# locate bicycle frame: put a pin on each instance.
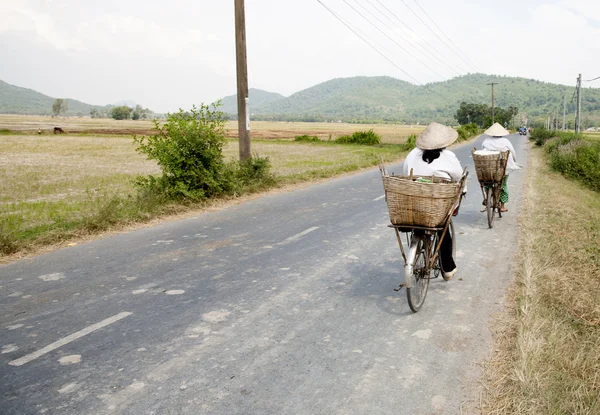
(428, 232)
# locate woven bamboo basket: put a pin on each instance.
(412, 203)
(490, 168)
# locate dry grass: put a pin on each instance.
(548, 360)
(56, 187)
(390, 133)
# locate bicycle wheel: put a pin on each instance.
(490, 206)
(417, 293)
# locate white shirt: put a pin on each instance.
(446, 165)
(502, 144)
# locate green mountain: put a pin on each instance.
(257, 98)
(17, 100)
(389, 99)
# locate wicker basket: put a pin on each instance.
(490, 168)
(412, 203)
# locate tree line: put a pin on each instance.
(122, 112)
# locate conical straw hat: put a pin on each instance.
(497, 130)
(436, 136)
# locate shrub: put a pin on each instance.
(577, 159)
(541, 135)
(368, 138)
(410, 143)
(467, 131)
(307, 138)
(189, 150)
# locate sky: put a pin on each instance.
(169, 55)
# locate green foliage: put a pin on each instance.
(573, 156)
(368, 138)
(122, 112)
(577, 159)
(59, 107)
(307, 138)
(467, 131)
(469, 113)
(541, 135)
(410, 143)
(188, 148)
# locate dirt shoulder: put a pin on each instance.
(546, 358)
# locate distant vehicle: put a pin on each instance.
(522, 131)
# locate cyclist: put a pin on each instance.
(497, 141)
(430, 158)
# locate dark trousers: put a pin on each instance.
(446, 252)
(448, 263)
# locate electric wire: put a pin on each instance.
(409, 28)
(394, 41)
(590, 80)
(438, 36)
(447, 37)
(364, 40)
(379, 52)
(422, 50)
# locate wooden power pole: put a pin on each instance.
(242, 81)
(578, 116)
(564, 113)
(492, 84)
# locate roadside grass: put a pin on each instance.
(548, 355)
(58, 187)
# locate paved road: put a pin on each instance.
(282, 305)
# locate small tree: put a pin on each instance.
(121, 113)
(189, 150)
(94, 113)
(59, 107)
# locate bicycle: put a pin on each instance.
(423, 242)
(490, 171)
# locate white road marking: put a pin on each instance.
(70, 338)
(298, 235)
(378, 198)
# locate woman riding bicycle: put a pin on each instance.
(497, 142)
(431, 158)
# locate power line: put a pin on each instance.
(590, 80)
(436, 35)
(408, 42)
(389, 37)
(420, 49)
(409, 28)
(441, 31)
(379, 52)
(364, 40)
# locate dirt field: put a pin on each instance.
(390, 133)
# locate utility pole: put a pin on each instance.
(242, 81)
(564, 113)
(492, 84)
(578, 116)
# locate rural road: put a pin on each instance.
(281, 305)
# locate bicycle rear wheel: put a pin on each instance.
(490, 206)
(417, 293)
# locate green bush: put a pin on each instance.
(541, 135)
(307, 138)
(467, 131)
(576, 158)
(368, 138)
(410, 143)
(188, 148)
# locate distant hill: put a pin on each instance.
(17, 100)
(257, 98)
(389, 99)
